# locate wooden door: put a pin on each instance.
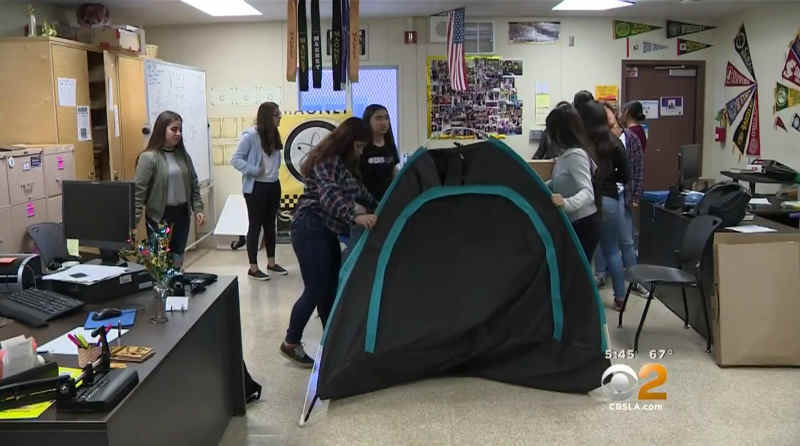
(72, 63)
(666, 134)
(132, 112)
(115, 157)
(27, 107)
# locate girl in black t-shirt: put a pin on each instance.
(380, 156)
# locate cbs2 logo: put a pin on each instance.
(620, 381)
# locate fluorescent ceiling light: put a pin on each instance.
(222, 8)
(590, 5)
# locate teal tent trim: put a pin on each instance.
(449, 191)
(350, 261)
(600, 308)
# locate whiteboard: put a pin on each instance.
(181, 89)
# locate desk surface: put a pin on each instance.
(162, 338)
(752, 177)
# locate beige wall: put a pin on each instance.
(769, 30)
(13, 18)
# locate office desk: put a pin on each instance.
(187, 392)
(752, 179)
(661, 233)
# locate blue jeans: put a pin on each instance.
(320, 257)
(616, 235)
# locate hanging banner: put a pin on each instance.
(779, 124)
(796, 122)
(740, 137)
(336, 43)
(302, 44)
(355, 42)
(791, 69)
(690, 46)
(735, 78)
(648, 47)
(624, 29)
(676, 29)
(785, 97)
(796, 45)
(743, 48)
(316, 46)
(754, 146)
(735, 105)
(291, 41)
(345, 39)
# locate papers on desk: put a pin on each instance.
(760, 202)
(63, 346)
(751, 229)
(35, 410)
(791, 204)
(86, 274)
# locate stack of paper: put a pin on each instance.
(87, 274)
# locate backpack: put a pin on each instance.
(727, 201)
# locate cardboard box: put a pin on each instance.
(114, 37)
(543, 167)
(54, 210)
(22, 216)
(25, 175)
(756, 310)
(5, 198)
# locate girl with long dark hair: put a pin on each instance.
(632, 118)
(613, 173)
(380, 155)
(334, 199)
(167, 190)
(258, 157)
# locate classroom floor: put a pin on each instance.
(705, 404)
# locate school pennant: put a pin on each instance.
(623, 29)
(690, 46)
(735, 78)
(743, 48)
(676, 29)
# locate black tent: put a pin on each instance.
(470, 271)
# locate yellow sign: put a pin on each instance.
(607, 93)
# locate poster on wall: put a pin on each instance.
(623, 29)
(512, 68)
(607, 93)
(671, 106)
(677, 29)
(650, 109)
(534, 32)
(690, 46)
(490, 105)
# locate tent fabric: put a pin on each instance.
(470, 271)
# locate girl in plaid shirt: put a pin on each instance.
(334, 199)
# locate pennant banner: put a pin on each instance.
(316, 46)
(743, 48)
(754, 146)
(791, 69)
(624, 29)
(355, 42)
(796, 45)
(796, 122)
(690, 46)
(735, 105)
(675, 29)
(336, 43)
(302, 44)
(780, 125)
(648, 47)
(291, 41)
(345, 39)
(740, 137)
(785, 97)
(735, 78)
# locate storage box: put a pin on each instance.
(119, 37)
(54, 211)
(5, 199)
(59, 165)
(22, 216)
(25, 175)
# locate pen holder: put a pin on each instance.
(89, 355)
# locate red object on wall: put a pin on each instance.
(410, 37)
(719, 134)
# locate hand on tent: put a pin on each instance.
(367, 220)
(558, 200)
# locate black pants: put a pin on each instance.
(320, 258)
(176, 217)
(588, 230)
(262, 212)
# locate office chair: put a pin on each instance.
(698, 234)
(51, 244)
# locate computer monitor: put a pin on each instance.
(100, 215)
(688, 165)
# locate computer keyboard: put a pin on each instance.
(35, 307)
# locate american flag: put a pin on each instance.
(455, 50)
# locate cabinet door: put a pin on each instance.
(72, 63)
(27, 99)
(132, 112)
(115, 158)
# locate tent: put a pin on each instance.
(470, 271)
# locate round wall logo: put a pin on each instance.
(303, 139)
(619, 382)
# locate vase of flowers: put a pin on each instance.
(31, 13)
(154, 255)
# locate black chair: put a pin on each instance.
(698, 234)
